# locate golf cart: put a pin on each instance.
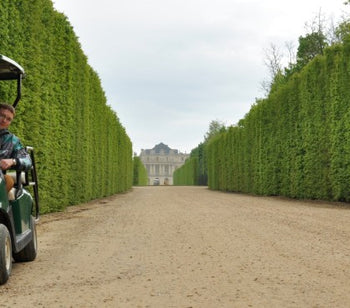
(19, 211)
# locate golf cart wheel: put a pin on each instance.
(5, 254)
(29, 252)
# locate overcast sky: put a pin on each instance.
(170, 67)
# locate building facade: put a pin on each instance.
(161, 162)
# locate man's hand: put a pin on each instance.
(6, 163)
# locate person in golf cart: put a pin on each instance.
(12, 153)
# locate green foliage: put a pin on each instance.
(140, 173)
(215, 127)
(294, 143)
(82, 150)
(187, 174)
(194, 171)
(343, 31)
(310, 46)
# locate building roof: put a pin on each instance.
(161, 147)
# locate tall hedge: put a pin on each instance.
(294, 143)
(140, 173)
(194, 171)
(187, 174)
(82, 150)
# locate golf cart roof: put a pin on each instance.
(9, 69)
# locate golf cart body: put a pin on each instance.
(19, 211)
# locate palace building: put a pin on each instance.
(161, 162)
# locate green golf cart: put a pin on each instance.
(19, 210)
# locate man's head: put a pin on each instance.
(7, 113)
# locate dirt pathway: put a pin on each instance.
(187, 247)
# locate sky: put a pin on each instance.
(170, 67)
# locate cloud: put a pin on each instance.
(169, 67)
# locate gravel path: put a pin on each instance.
(188, 247)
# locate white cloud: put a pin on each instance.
(170, 67)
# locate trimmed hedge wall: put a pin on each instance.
(82, 150)
(294, 143)
(187, 173)
(140, 173)
(194, 171)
